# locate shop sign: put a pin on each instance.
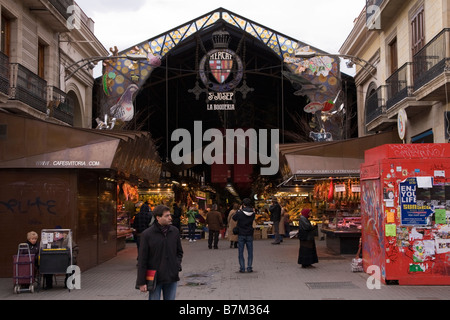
(217, 74)
(401, 123)
(221, 71)
(413, 211)
(69, 164)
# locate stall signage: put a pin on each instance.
(221, 71)
(216, 67)
(68, 163)
(413, 212)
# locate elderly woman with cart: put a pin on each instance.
(55, 253)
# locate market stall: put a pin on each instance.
(156, 195)
(127, 203)
(330, 171)
(337, 202)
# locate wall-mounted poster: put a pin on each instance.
(414, 211)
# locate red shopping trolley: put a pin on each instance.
(23, 269)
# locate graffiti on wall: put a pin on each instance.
(372, 223)
(28, 206)
(34, 201)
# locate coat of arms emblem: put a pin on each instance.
(220, 67)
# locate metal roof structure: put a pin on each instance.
(281, 44)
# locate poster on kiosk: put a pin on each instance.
(405, 209)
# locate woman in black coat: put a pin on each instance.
(307, 254)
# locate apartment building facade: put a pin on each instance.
(405, 76)
(41, 43)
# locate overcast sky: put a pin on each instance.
(324, 24)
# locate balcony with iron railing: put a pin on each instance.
(28, 87)
(61, 105)
(414, 86)
(375, 106)
(399, 85)
(4, 74)
(375, 116)
(432, 65)
(28, 93)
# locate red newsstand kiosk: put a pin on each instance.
(405, 209)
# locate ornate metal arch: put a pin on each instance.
(120, 74)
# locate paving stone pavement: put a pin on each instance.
(213, 275)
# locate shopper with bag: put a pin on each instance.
(307, 254)
(231, 225)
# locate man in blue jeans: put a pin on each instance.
(245, 217)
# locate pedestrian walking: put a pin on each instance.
(160, 251)
(245, 218)
(275, 217)
(176, 217)
(231, 225)
(307, 254)
(192, 222)
(141, 222)
(214, 222)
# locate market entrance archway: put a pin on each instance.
(171, 95)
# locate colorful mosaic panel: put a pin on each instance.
(120, 74)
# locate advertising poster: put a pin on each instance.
(414, 203)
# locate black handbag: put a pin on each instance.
(235, 230)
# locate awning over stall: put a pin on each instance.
(31, 143)
(329, 158)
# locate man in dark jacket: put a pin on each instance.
(275, 216)
(245, 217)
(176, 217)
(214, 221)
(160, 250)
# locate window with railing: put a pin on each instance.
(62, 105)
(374, 105)
(398, 85)
(28, 87)
(430, 61)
